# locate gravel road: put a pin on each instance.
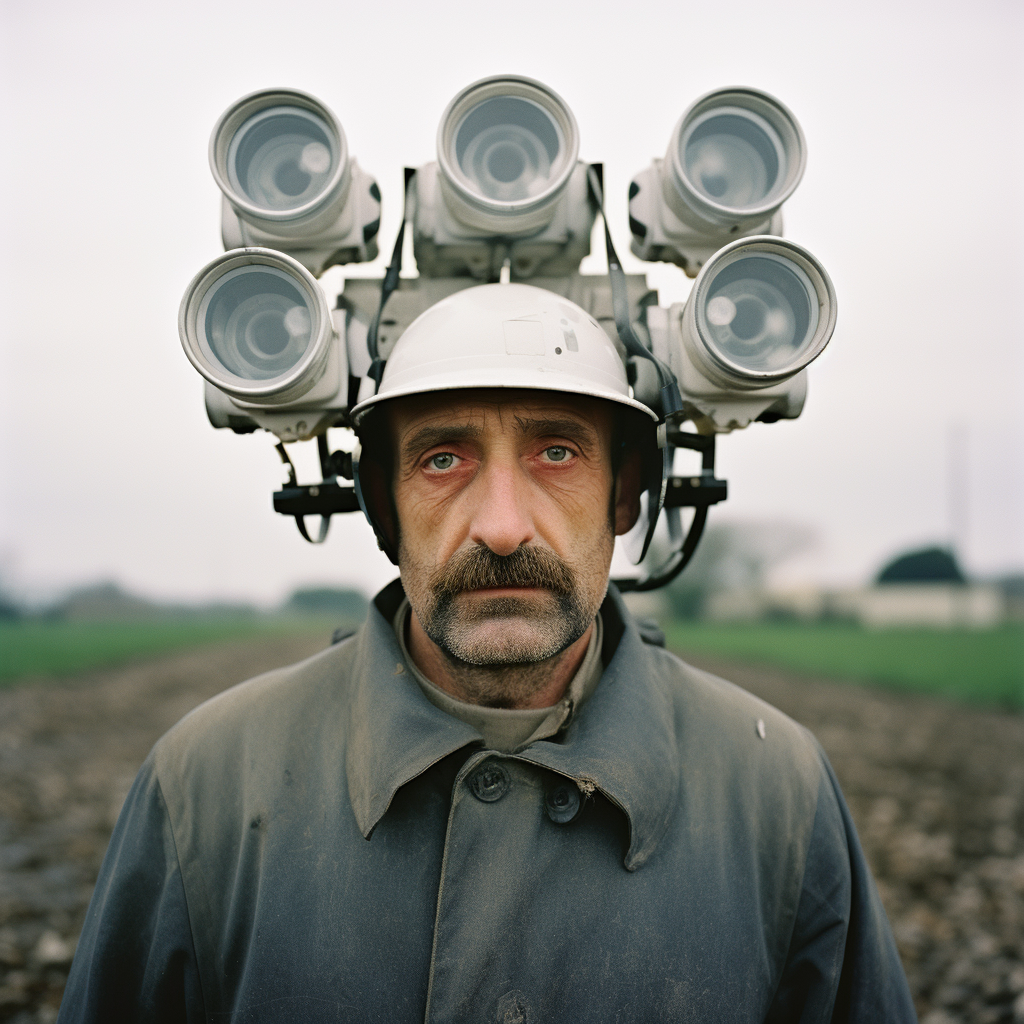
(936, 789)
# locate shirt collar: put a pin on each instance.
(622, 742)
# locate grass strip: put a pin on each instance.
(984, 666)
(39, 649)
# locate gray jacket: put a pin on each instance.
(323, 844)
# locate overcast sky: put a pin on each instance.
(912, 199)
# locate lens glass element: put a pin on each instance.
(282, 158)
(732, 157)
(508, 147)
(761, 313)
(257, 322)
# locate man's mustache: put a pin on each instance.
(480, 568)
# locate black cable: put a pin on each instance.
(671, 399)
(287, 460)
(300, 521)
(681, 556)
(388, 285)
(674, 564)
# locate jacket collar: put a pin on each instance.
(622, 742)
(395, 733)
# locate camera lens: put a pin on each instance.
(733, 157)
(256, 322)
(282, 158)
(760, 312)
(506, 147)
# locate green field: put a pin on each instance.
(983, 665)
(38, 649)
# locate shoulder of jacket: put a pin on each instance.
(722, 713)
(285, 701)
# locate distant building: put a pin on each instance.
(920, 588)
(941, 605)
(977, 605)
(1012, 587)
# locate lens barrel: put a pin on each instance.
(506, 148)
(761, 309)
(734, 158)
(281, 158)
(255, 324)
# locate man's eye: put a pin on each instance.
(556, 453)
(443, 461)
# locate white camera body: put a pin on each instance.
(447, 245)
(323, 405)
(734, 157)
(712, 408)
(506, 196)
(281, 161)
(345, 232)
(661, 234)
(729, 374)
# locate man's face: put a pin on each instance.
(507, 513)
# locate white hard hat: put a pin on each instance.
(504, 336)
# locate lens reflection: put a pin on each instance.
(506, 146)
(282, 157)
(732, 158)
(258, 323)
(761, 312)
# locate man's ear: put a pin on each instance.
(627, 492)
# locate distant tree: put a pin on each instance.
(926, 565)
(340, 602)
(9, 610)
(104, 601)
(730, 556)
(10, 607)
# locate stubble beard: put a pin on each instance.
(507, 630)
(497, 645)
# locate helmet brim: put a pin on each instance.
(496, 380)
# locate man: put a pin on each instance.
(497, 801)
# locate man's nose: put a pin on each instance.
(501, 516)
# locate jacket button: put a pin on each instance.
(489, 782)
(562, 802)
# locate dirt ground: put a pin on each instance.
(936, 789)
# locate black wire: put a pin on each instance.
(671, 399)
(287, 460)
(300, 521)
(676, 562)
(388, 285)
